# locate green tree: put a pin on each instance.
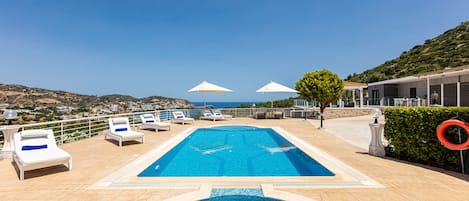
(322, 86)
(284, 103)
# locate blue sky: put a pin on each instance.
(143, 48)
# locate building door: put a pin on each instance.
(465, 94)
(413, 93)
(450, 94)
(374, 97)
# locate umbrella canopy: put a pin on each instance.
(276, 87)
(205, 86)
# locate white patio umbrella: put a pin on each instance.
(273, 87)
(205, 86)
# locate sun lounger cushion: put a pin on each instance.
(117, 121)
(33, 147)
(33, 134)
(131, 135)
(121, 129)
(43, 156)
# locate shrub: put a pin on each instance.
(411, 133)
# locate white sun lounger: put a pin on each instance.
(150, 122)
(119, 129)
(214, 115)
(179, 117)
(208, 115)
(218, 113)
(36, 149)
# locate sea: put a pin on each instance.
(224, 104)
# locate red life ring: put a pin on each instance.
(440, 133)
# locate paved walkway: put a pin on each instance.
(354, 130)
(95, 159)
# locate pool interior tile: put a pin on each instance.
(236, 191)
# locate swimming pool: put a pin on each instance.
(235, 151)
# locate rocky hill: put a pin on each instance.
(450, 49)
(51, 104)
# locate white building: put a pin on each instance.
(448, 87)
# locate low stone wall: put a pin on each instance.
(334, 113)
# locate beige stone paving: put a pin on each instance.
(96, 158)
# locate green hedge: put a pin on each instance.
(411, 133)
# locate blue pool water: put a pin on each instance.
(235, 151)
(240, 198)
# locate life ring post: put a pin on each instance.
(441, 134)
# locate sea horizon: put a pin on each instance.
(226, 104)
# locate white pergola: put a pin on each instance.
(353, 86)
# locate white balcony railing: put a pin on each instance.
(408, 102)
(76, 129)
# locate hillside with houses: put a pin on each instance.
(37, 105)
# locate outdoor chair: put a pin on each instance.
(218, 113)
(179, 117)
(208, 115)
(214, 115)
(149, 121)
(119, 129)
(36, 149)
(277, 114)
(260, 114)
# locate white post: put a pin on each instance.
(428, 91)
(62, 133)
(353, 98)
(89, 128)
(376, 147)
(8, 142)
(442, 96)
(361, 97)
(203, 94)
(346, 96)
(458, 93)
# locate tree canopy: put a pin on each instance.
(322, 86)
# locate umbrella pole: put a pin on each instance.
(205, 103)
(272, 102)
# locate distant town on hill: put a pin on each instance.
(450, 49)
(38, 105)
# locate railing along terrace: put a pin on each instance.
(76, 129)
(408, 102)
(391, 101)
